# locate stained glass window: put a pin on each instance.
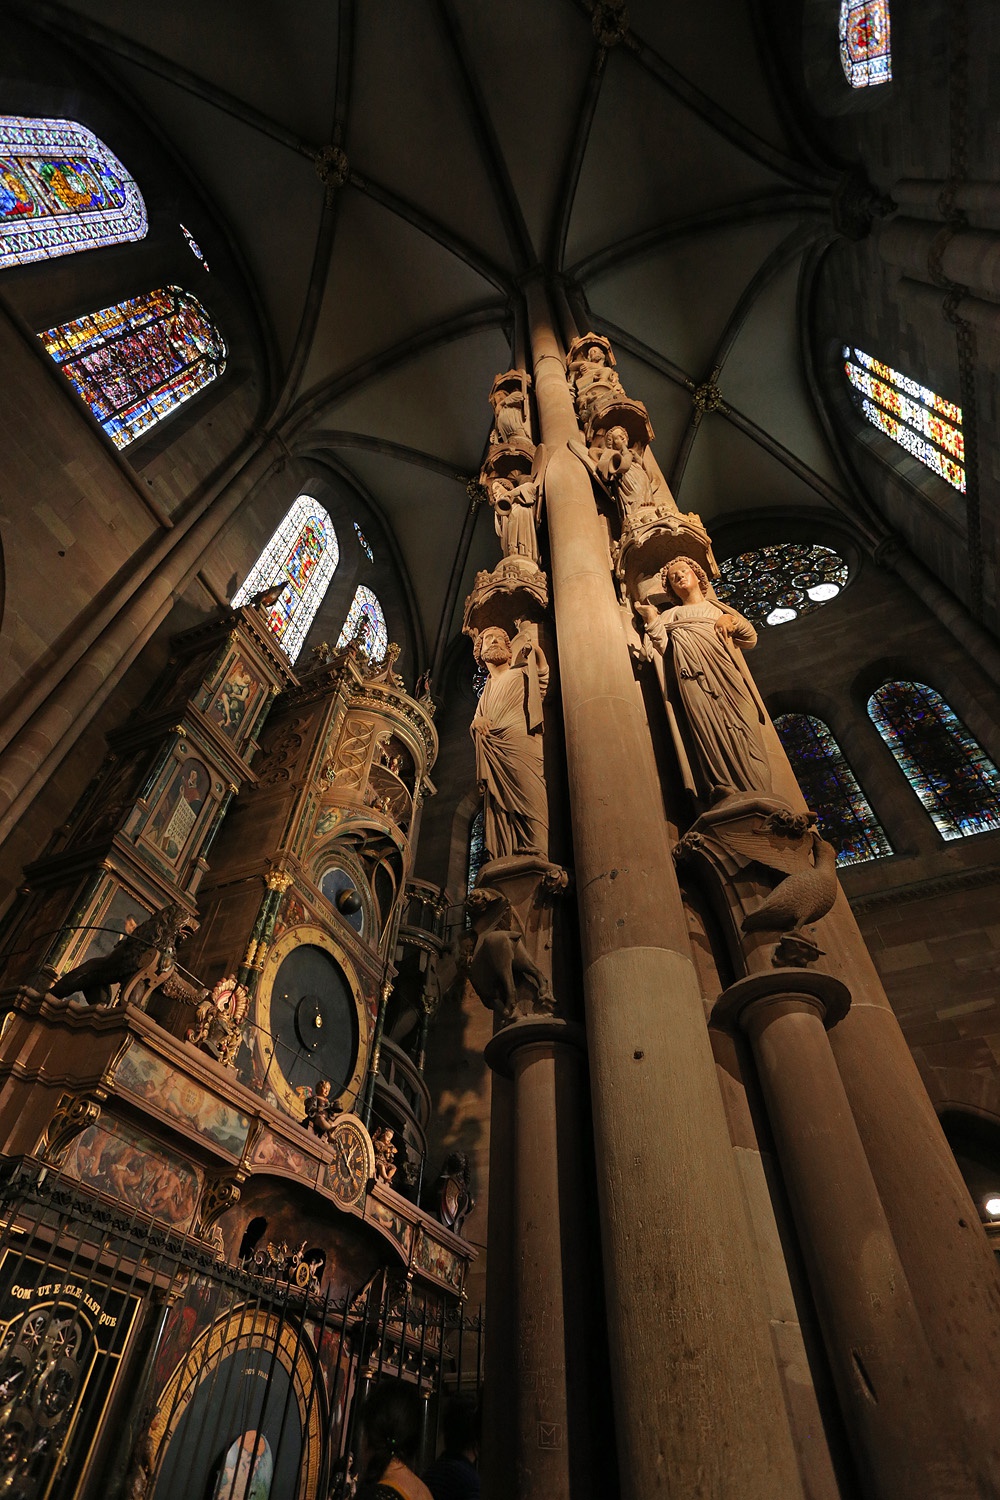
(773, 585)
(302, 554)
(477, 848)
(950, 772)
(364, 543)
(918, 420)
(61, 190)
(831, 790)
(864, 42)
(194, 246)
(365, 617)
(136, 362)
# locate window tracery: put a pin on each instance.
(948, 769)
(135, 362)
(365, 616)
(921, 422)
(773, 585)
(302, 554)
(62, 190)
(864, 42)
(830, 788)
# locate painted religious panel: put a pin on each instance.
(232, 708)
(174, 1094)
(176, 813)
(112, 1157)
(62, 1338)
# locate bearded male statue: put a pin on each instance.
(507, 731)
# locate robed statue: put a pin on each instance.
(507, 731)
(716, 715)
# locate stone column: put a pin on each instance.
(947, 1258)
(896, 1407)
(697, 1398)
(551, 1438)
(500, 1350)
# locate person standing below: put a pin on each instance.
(391, 1424)
(455, 1476)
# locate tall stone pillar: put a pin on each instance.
(552, 1364)
(905, 1437)
(697, 1398)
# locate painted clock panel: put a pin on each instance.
(313, 1020)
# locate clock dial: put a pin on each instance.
(313, 1020)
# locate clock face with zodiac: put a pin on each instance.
(312, 1021)
(353, 1165)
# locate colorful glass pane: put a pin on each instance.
(831, 790)
(136, 362)
(909, 413)
(302, 554)
(477, 848)
(864, 42)
(365, 619)
(364, 543)
(61, 190)
(194, 246)
(772, 585)
(948, 769)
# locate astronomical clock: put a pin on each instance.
(306, 891)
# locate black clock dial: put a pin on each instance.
(314, 1020)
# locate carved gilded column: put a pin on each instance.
(682, 1297)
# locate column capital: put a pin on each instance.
(803, 989)
(531, 1031)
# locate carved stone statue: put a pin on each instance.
(385, 1154)
(322, 1112)
(592, 376)
(507, 731)
(510, 416)
(715, 710)
(515, 511)
(500, 961)
(624, 473)
(451, 1196)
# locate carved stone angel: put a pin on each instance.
(515, 511)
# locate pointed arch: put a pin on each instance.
(365, 616)
(62, 190)
(302, 554)
(134, 363)
(946, 766)
(831, 789)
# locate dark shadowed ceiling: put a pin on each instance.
(659, 176)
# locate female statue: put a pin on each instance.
(719, 737)
(624, 472)
(595, 382)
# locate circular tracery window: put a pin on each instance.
(773, 585)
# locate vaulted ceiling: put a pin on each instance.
(660, 176)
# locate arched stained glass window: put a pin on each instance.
(365, 617)
(136, 362)
(364, 543)
(949, 770)
(477, 848)
(302, 554)
(831, 790)
(773, 585)
(864, 42)
(923, 423)
(61, 190)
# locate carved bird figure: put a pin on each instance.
(802, 897)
